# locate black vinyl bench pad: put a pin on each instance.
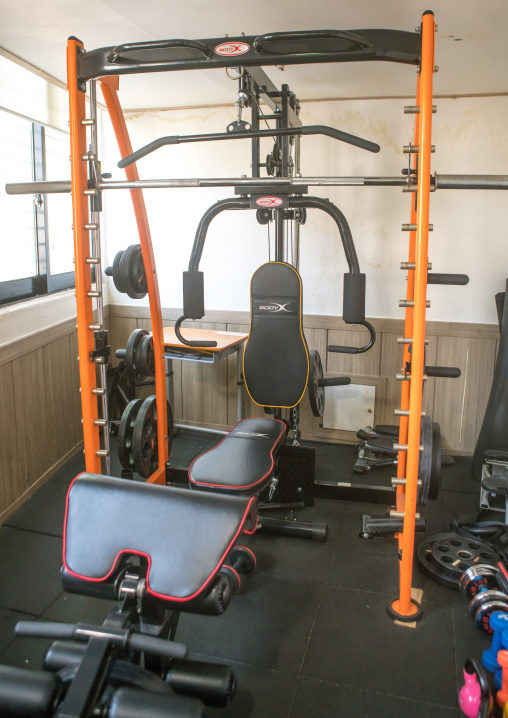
(185, 536)
(243, 461)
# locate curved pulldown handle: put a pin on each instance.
(188, 343)
(249, 134)
(119, 50)
(193, 306)
(261, 42)
(357, 350)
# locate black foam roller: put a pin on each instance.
(193, 295)
(353, 307)
(493, 434)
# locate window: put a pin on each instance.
(36, 242)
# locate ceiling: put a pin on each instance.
(471, 47)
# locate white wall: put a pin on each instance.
(470, 137)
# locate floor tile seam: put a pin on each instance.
(380, 593)
(311, 632)
(364, 692)
(33, 531)
(257, 666)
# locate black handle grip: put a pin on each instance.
(45, 629)
(448, 372)
(188, 343)
(342, 136)
(335, 381)
(451, 279)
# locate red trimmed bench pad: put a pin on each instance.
(185, 536)
(243, 461)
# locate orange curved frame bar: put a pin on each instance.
(80, 217)
(109, 87)
(415, 322)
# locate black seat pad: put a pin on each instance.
(184, 535)
(276, 360)
(243, 461)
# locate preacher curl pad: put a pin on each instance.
(276, 361)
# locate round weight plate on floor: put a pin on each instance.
(125, 433)
(316, 392)
(444, 557)
(132, 350)
(425, 462)
(454, 554)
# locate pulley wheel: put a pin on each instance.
(126, 431)
(276, 152)
(316, 392)
(270, 165)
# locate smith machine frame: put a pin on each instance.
(250, 54)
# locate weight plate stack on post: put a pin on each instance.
(137, 436)
(316, 391)
(128, 272)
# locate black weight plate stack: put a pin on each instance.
(425, 462)
(145, 358)
(144, 437)
(316, 392)
(132, 352)
(126, 431)
(117, 278)
(435, 471)
(445, 557)
(131, 272)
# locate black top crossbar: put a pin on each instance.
(280, 48)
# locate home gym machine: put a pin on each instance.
(105, 65)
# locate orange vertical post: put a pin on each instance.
(405, 608)
(109, 87)
(80, 215)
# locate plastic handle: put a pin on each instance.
(356, 350)
(188, 343)
(335, 381)
(448, 372)
(342, 136)
(117, 52)
(450, 279)
(311, 35)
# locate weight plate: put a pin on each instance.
(316, 392)
(454, 554)
(478, 579)
(125, 433)
(144, 437)
(439, 557)
(130, 273)
(425, 462)
(301, 215)
(117, 279)
(276, 152)
(427, 565)
(132, 350)
(137, 273)
(435, 471)
(145, 358)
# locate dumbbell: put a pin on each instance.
(477, 579)
(498, 623)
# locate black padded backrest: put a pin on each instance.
(185, 535)
(242, 463)
(276, 360)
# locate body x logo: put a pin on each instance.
(228, 49)
(275, 307)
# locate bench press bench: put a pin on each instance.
(159, 550)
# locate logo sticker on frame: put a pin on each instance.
(230, 49)
(269, 202)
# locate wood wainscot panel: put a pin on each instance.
(459, 404)
(205, 388)
(11, 485)
(30, 399)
